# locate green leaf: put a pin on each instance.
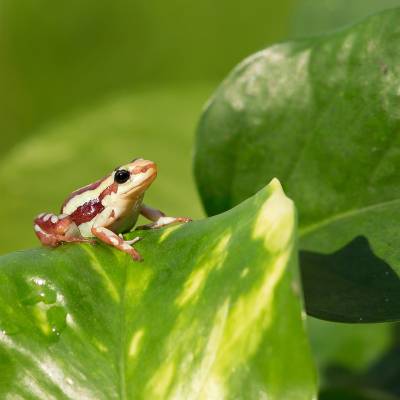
(213, 312)
(315, 17)
(323, 116)
(344, 352)
(355, 394)
(349, 346)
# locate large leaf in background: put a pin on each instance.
(213, 312)
(312, 17)
(347, 346)
(354, 394)
(323, 116)
(41, 171)
(379, 381)
(356, 361)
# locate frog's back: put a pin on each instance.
(85, 194)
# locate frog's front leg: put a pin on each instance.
(100, 230)
(53, 230)
(159, 218)
(111, 238)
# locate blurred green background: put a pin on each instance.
(88, 85)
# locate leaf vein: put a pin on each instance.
(343, 215)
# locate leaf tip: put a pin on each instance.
(276, 221)
(275, 184)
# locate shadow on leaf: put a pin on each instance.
(351, 277)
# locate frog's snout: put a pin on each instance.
(144, 166)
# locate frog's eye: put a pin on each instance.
(121, 176)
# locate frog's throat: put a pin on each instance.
(140, 188)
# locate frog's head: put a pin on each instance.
(134, 178)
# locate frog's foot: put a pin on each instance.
(134, 240)
(164, 221)
(111, 238)
(53, 230)
(131, 241)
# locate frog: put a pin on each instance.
(105, 210)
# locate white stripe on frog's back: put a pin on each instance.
(79, 199)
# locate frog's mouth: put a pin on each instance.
(141, 177)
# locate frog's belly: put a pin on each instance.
(120, 225)
(123, 225)
(86, 229)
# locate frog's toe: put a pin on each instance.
(137, 257)
(134, 240)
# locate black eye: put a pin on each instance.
(121, 176)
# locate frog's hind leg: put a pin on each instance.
(159, 218)
(53, 230)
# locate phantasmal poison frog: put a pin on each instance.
(105, 209)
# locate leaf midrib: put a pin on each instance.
(306, 230)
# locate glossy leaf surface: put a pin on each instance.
(322, 115)
(213, 312)
(315, 17)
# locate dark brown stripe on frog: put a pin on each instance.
(87, 211)
(108, 190)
